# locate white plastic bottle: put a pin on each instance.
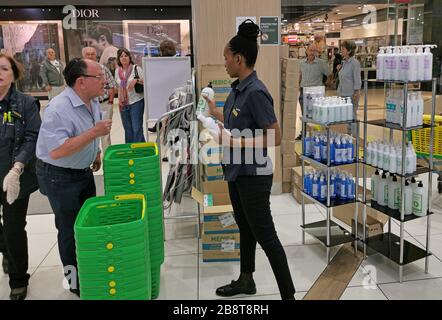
(374, 154)
(386, 157)
(404, 63)
(369, 153)
(413, 157)
(408, 201)
(419, 109)
(380, 62)
(380, 155)
(399, 159)
(349, 108)
(393, 160)
(420, 200)
(388, 64)
(428, 63)
(420, 58)
(412, 74)
(394, 191)
(210, 124)
(414, 118)
(396, 63)
(374, 186)
(382, 191)
(410, 110)
(203, 107)
(409, 161)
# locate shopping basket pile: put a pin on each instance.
(111, 264)
(421, 138)
(133, 169)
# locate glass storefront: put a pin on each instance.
(140, 29)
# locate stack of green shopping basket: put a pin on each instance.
(112, 246)
(135, 168)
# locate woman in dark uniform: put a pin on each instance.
(19, 126)
(249, 115)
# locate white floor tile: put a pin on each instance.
(363, 293)
(286, 204)
(181, 247)
(40, 223)
(47, 284)
(183, 230)
(53, 258)
(435, 244)
(430, 289)
(362, 277)
(39, 246)
(179, 276)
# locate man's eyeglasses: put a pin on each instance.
(101, 76)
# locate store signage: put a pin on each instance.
(85, 13)
(270, 30)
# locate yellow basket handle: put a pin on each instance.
(129, 197)
(427, 118)
(145, 145)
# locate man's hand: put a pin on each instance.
(96, 165)
(48, 88)
(11, 183)
(102, 128)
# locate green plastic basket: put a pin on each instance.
(105, 252)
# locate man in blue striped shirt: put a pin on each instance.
(67, 148)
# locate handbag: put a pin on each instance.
(139, 88)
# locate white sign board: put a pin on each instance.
(161, 76)
(240, 20)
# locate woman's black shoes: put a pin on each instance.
(236, 287)
(18, 293)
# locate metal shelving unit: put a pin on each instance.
(392, 246)
(327, 231)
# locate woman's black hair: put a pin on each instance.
(127, 52)
(75, 68)
(245, 42)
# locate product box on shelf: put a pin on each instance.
(221, 247)
(375, 220)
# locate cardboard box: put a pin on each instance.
(296, 193)
(287, 175)
(291, 65)
(220, 79)
(290, 79)
(289, 126)
(290, 160)
(284, 51)
(221, 247)
(428, 106)
(290, 107)
(290, 94)
(213, 172)
(346, 215)
(219, 223)
(286, 186)
(288, 146)
(214, 197)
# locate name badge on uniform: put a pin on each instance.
(236, 111)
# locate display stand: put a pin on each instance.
(327, 231)
(394, 247)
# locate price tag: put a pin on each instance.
(228, 246)
(227, 220)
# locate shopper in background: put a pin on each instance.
(52, 74)
(313, 70)
(249, 107)
(350, 77)
(130, 102)
(167, 49)
(19, 128)
(68, 153)
(107, 99)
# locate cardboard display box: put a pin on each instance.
(219, 223)
(221, 247)
(296, 193)
(214, 197)
(286, 187)
(290, 160)
(291, 65)
(290, 94)
(288, 146)
(289, 126)
(213, 172)
(290, 79)
(375, 220)
(290, 107)
(220, 79)
(287, 175)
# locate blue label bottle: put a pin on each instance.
(343, 188)
(324, 149)
(332, 151)
(338, 151)
(350, 151)
(323, 189)
(315, 187)
(317, 155)
(351, 188)
(333, 186)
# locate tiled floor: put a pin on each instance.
(185, 277)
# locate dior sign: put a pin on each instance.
(70, 21)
